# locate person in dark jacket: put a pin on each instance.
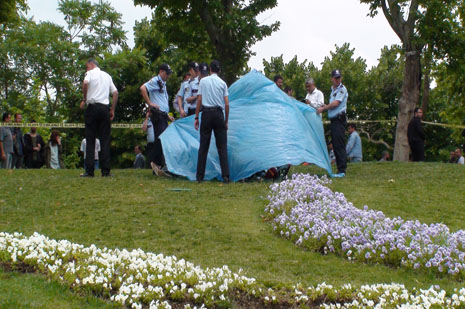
(139, 162)
(416, 136)
(34, 147)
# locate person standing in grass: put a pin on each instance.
(98, 115)
(354, 145)
(213, 96)
(34, 148)
(156, 96)
(460, 158)
(416, 136)
(139, 162)
(18, 143)
(54, 151)
(337, 115)
(6, 143)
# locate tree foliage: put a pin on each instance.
(227, 28)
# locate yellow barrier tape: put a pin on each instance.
(454, 126)
(139, 126)
(66, 125)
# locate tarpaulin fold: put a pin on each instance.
(267, 128)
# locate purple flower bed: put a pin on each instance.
(307, 212)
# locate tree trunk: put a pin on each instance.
(410, 98)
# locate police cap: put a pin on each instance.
(204, 68)
(165, 67)
(336, 73)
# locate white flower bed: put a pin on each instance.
(136, 278)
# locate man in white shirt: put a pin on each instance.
(315, 97)
(98, 115)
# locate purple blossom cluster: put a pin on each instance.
(306, 211)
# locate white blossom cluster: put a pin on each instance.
(138, 279)
(129, 278)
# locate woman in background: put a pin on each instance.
(53, 152)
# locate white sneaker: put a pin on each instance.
(339, 175)
(155, 168)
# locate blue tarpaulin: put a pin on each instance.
(267, 128)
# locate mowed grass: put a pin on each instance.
(215, 224)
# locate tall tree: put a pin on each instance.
(9, 10)
(228, 27)
(415, 22)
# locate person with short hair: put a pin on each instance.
(213, 96)
(54, 151)
(416, 136)
(34, 148)
(192, 88)
(139, 162)
(278, 80)
(460, 158)
(6, 144)
(96, 88)
(156, 96)
(337, 115)
(354, 145)
(180, 101)
(314, 98)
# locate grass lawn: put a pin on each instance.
(214, 224)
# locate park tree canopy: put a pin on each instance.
(228, 27)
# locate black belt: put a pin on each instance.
(210, 109)
(338, 116)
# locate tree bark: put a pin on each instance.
(407, 103)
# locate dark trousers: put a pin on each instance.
(418, 151)
(338, 136)
(213, 120)
(160, 123)
(98, 125)
(150, 152)
(191, 111)
(17, 161)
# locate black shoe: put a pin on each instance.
(199, 180)
(86, 175)
(107, 175)
(226, 179)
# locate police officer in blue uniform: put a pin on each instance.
(214, 98)
(193, 88)
(156, 96)
(337, 108)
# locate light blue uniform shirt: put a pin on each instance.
(213, 90)
(193, 91)
(157, 95)
(354, 146)
(183, 90)
(340, 94)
